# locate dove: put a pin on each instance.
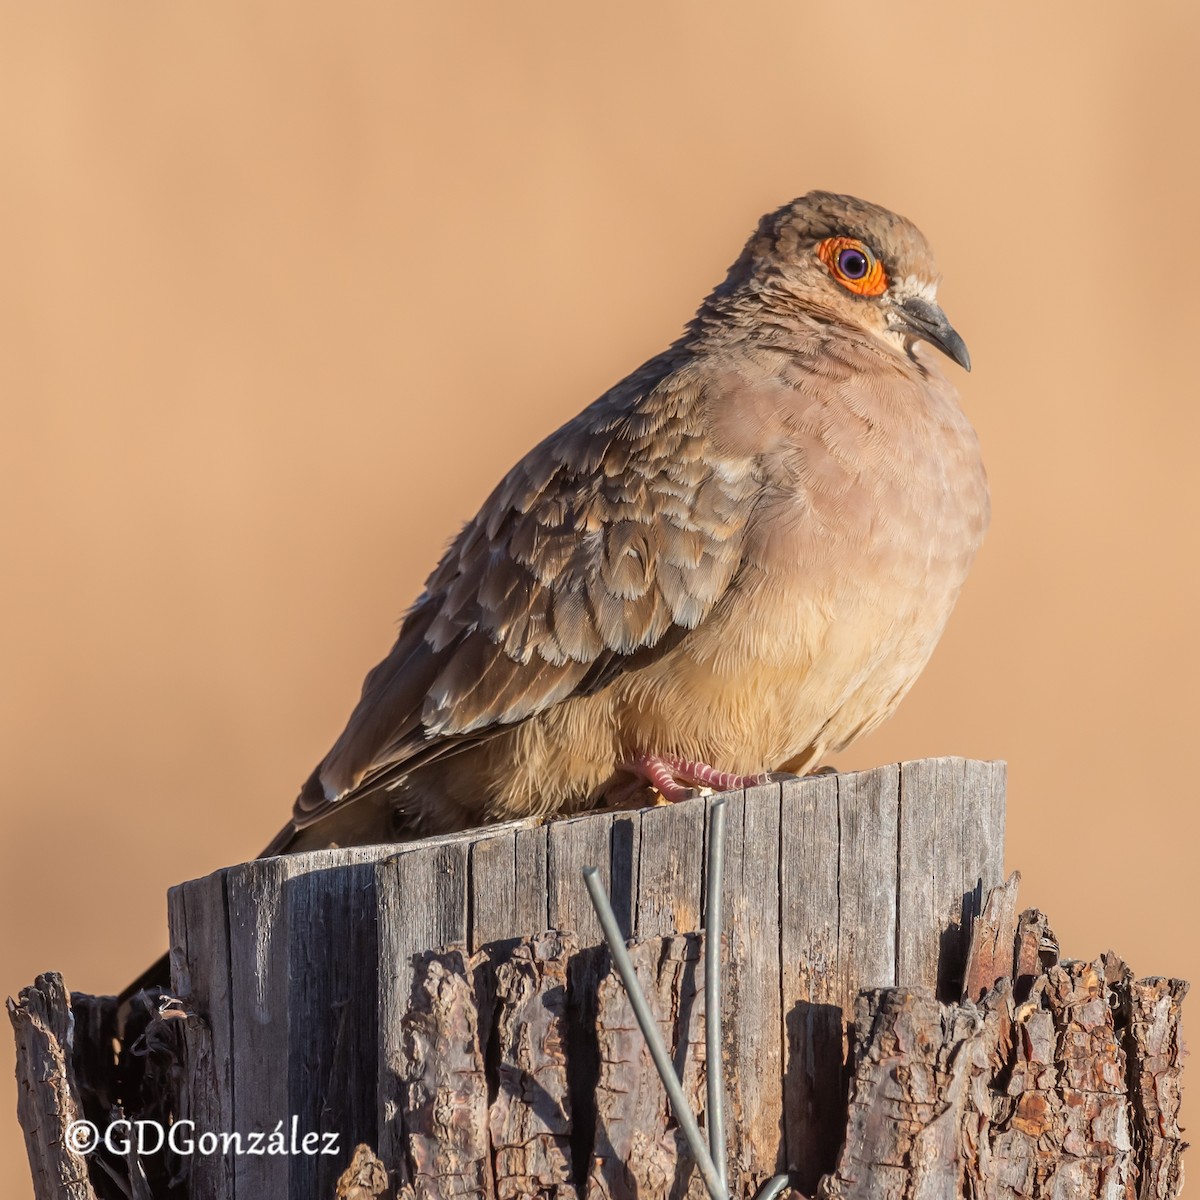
(733, 563)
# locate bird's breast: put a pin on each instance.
(867, 525)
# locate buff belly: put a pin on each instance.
(775, 683)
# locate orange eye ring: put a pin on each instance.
(854, 265)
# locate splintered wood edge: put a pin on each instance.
(47, 1097)
(1111, 1047)
(993, 940)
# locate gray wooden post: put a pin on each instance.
(323, 1001)
(443, 1018)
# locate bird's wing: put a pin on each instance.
(599, 550)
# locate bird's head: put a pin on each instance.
(842, 259)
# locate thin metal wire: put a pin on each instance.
(714, 1051)
(773, 1187)
(649, 1028)
(711, 1159)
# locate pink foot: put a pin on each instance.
(677, 778)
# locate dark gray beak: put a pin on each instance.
(928, 322)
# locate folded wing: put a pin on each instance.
(602, 548)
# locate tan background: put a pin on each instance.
(285, 288)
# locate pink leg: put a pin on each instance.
(677, 778)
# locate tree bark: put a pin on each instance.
(1059, 1083)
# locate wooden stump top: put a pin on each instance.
(444, 1012)
(311, 964)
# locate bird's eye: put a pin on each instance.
(854, 265)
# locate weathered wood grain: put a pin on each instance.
(671, 869)
(493, 883)
(47, 1098)
(905, 1071)
(332, 974)
(530, 1120)
(298, 975)
(422, 906)
(638, 1152)
(822, 877)
(1069, 1092)
(951, 831)
(531, 893)
(509, 894)
(1156, 1056)
(427, 1003)
(751, 985)
(444, 1098)
(575, 844)
(993, 941)
(811, 983)
(200, 974)
(260, 996)
(868, 858)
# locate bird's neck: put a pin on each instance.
(763, 313)
(776, 320)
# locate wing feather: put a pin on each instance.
(599, 550)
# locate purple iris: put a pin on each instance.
(853, 264)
